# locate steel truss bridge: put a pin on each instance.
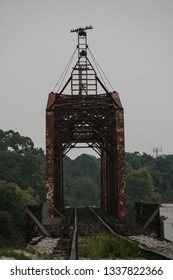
(85, 111)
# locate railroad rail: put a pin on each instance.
(145, 252)
(83, 225)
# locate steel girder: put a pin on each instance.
(94, 119)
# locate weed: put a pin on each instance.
(9, 253)
(108, 247)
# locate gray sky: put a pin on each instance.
(132, 40)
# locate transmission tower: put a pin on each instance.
(156, 151)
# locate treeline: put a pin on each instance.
(22, 181)
(148, 179)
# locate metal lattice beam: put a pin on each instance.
(98, 122)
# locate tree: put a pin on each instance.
(86, 165)
(84, 192)
(82, 180)
(21, 163)
(13, 141)
(13, 203)
(140, 186)
(133, 159)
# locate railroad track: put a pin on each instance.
(85, 225)
(80, 223)
(84, 231)
(147, 253)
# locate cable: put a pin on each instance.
(63, 75)
(98, 68)
(100, 71)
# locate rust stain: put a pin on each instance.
(98, 119)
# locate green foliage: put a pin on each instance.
(148, 179)
(22, 183)
(13, 141)
(82, 181)
(21, 163)
(140, 186)
(13, 203)
(84, 192)
(108, 247)
(154, 176)
(6, 227)
(8, 253)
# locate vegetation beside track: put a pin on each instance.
(107, 247)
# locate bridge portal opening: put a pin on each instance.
(82, 178)
(85, 111)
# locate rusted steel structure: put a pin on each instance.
(83, 115)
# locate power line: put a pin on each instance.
(64, 73)
(101, 72)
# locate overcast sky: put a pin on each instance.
(132, 40)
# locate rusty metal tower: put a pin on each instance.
(83, 76)
(84, 115)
